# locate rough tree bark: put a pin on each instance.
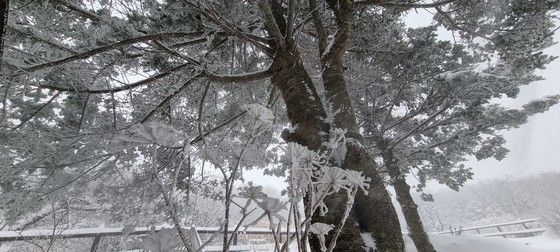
(373, 212)
(4, 11)
(305, 111)
(409, 207)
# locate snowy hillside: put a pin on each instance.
(473, 243)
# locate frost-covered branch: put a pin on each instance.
(146, 81)
(106, 48)
(240, 78)
(26, 119)
(413, 5)
(167, 99)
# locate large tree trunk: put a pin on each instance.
(375, 212)
(372, 213)
(306, 113)
(409, 207)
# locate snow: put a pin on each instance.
(260, 113)
(474, 243)
(545, 241)
(442, 242)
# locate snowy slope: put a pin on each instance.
(473, 243)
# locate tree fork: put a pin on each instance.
(373, 212)
(306, 113)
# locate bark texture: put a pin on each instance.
(409, 207)
(306, 113)
(372, 213)
(4, 11)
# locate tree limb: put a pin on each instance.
(270, 21)
(246, 77)
(102, 49)
(319, 27)
(290, 18)
(168, 98)
(413, 131)
(200, 110)
(36, 111)
(416, 5)
(121, 88)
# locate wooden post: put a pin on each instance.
(95, 243)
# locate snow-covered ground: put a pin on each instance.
(474, 243)
(452, 243)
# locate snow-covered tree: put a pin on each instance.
(180, 95)
(430, 104)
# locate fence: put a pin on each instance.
(527, 230)
(98, 233)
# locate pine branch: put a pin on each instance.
(416, 5)
(146, 81)
(24, 121)
(168, 98)
(419, 126)
(246, 77)
(106, 48)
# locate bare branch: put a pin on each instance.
(200, 110)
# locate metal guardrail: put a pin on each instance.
(525, 232)
(98, 233)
